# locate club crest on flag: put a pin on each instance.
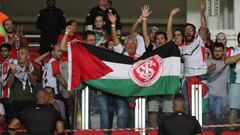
(146, 72)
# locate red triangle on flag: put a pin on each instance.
(85, 66)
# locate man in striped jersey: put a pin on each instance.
(5, 56)
(52, 73)
(233, 59)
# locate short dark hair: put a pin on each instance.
(178, 97)
(87, 33)
(160, 33)
(52, 0)
(181, 31)
(217, 45)
(110, 2)
(190, 24)
(100, 15)
(6, 45)
(238, 37)
(70, 22)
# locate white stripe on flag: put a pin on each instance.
(171, 67)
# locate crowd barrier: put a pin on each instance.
(140, 118)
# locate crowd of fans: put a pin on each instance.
(202, 61)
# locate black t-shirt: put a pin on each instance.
(40, 120)
(179, 124)
(150, 47)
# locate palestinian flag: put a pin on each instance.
(205, 93)
(155, 73)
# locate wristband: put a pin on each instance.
(139, 20)
(113, 25)
(144, 18)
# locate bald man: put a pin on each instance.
(179, 123)
(52, 76)
(42, 119)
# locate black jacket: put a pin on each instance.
(51, 20)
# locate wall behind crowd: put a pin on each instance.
(25, 11)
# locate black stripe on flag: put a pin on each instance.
(167, 50)
(107, 55)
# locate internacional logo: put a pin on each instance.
(146, 72)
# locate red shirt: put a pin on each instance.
(227, 53)
(6, 39)
(69, 39)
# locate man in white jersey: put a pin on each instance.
(233, 59)
(52, 73)
(193, 53)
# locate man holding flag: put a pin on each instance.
(193, 56)
(119, 76)
(154, 73)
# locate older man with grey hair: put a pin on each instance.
(130, 43)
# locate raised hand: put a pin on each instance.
(175, 11)
(145, 11)
(12, 66)
(202, 7)
(19, 30)
(69, 29)
(212, 67)
(112, 18)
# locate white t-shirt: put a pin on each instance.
(193, 56)
(2, 110)
(50, 69)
